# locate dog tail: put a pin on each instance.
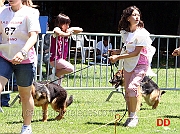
(69, 101)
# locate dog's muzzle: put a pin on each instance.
(116, 83)
(112, 81)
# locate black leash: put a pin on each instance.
(70, 74)
(112, 75)
(112, 71)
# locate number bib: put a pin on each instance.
(15, 28)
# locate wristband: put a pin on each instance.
(24, 53)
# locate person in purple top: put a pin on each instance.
(59, 53)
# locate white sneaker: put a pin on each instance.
(127, 121)
(26, 130)
(1, 110)
(133, 122)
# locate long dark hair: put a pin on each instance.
(124, 24)
(62, 19)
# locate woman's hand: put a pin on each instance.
(75, 30)
(114, 51)
(176, 52)
(18, 58)
(114, 58)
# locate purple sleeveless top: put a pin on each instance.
(62, 48)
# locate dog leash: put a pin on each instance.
(112, 75)
(69, 74)
(112, 71)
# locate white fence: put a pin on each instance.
(95, 76)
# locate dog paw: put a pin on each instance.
(44, 120)
(59, 117)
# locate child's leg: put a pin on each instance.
(139, 99)
(135, 102)
(132, 83)
(134, 88)
(63, 67)
(127, 76)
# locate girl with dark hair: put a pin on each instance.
(136, 56)
(59, 53)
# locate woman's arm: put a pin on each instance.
(59, 32)
(75, 30)
(68, 32)
(114, 51)
(31, 41)
(115, 58)
(176, 52)
(19, 57)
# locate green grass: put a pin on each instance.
(90, 113)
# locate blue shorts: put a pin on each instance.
(24, 73)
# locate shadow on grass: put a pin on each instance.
(121, 110)
(120, 123)
(146, 108)
(9, 133)
(101, 123)
(16, 122)
(170, 116)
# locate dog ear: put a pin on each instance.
(121, 72)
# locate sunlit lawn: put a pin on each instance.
(90, 113)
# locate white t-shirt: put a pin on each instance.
(15, 27)
(1, 9)
(35, 12)
(138, 38)
(102, 48)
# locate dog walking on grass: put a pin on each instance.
(149, 89)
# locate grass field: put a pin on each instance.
(91, 114)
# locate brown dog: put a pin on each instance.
(45, 93)
(150, 90)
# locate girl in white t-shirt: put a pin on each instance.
(19, 29)
(137, 55)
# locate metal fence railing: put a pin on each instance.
(89, 74)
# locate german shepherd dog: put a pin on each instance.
(150, 90)
(45, 93)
